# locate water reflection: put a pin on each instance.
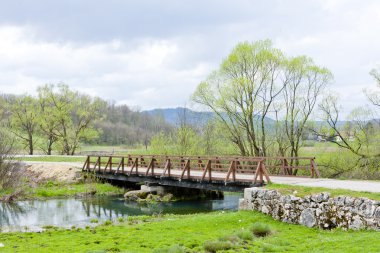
(31, 215)
(10, 213)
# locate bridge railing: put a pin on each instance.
(211, 168)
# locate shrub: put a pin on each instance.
(11, 174)
(94, 221)
(260, 229)
(107, 223)
(234, 239)
(214, 246)
(244, 235)
(172, 249)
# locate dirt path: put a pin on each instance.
(354, 185)
(60, 171)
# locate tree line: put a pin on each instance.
(60, 119)
(266, 103)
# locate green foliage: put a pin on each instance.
(256, 79)
(59, 119)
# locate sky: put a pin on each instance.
(153, 54)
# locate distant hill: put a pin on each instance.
(175, 115)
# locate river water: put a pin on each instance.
(33, 215)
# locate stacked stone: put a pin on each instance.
(318, 210)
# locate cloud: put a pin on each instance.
(140, 76)
(154, 53)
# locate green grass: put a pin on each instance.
(191, 232)
(56, 189)
(53, 158)
(302, 191)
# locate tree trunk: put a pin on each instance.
(30, 142)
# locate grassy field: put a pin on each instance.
(189, 233)
(302, 191)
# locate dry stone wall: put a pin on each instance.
(319, 210)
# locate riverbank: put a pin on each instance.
(189, 233)
(52, 180)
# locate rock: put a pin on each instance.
(358, 202)
(260, 193)
(307, 218)
(167, 197)
(321, 197)
(265, 209)
(356, 223)
(318, 210)
(135, 195)
(367, 208)
(377, 213)
(339, 201)
(349, 201)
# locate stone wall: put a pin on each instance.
(319, 210)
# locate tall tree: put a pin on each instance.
(242, 92)
(74, 114)
(374, 96)
(24, 120)
(304, 84)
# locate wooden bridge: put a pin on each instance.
(225, 173)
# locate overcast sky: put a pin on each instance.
(153, 54)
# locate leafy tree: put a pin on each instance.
(73, 116)
(374, 96)
(304, 84)
(242, 92)
(24, 120)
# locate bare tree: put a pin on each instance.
(11, 176)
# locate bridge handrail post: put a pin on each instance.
(206, 170)
(315, 171)
(86, 164)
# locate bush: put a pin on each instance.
(11, 173)
(260, 229)
(107, 223)
(94, 220)
(234, 239)
(214, 246)
(244, 235)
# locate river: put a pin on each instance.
(33, 215)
